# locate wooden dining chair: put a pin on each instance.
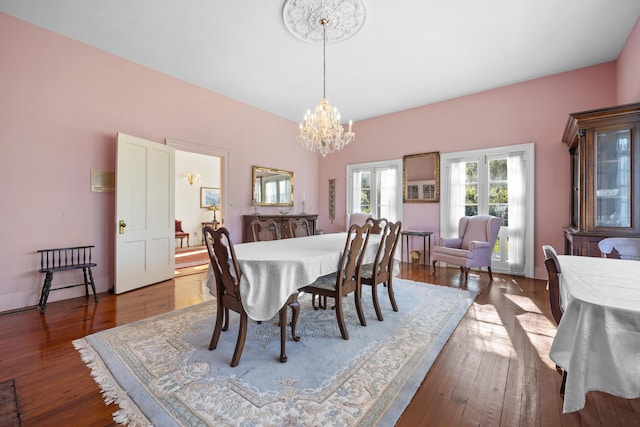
(553, 270)
(227, 275)
(381, 270)
(347, 279)
(299, 227)
(377, 225)
(620, 247)
(263, 230)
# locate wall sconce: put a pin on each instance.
(192, 178)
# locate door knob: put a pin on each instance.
(122, 226)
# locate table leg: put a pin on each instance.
(407, 248)
(283, 333)
(402, 247)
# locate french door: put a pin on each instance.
(496, 182)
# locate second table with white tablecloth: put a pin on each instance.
(598, 338)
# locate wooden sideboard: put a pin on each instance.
(282, 221)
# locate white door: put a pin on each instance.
(145, 228)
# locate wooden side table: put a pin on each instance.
(425, 247)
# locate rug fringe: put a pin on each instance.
(129, 413)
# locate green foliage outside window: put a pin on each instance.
(498, 190)
(365, 193)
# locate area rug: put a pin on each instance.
(160, 372)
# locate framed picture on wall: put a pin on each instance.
(209, 197)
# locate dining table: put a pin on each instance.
(597, 341)
(274, 270)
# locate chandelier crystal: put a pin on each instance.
(321, 130)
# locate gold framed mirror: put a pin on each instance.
(421, 178)
(272, 187)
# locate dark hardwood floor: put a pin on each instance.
(494, 370)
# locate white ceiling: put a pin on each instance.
(408, 53)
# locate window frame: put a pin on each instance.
(372, 166)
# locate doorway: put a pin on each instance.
(208, 168)
(192, 205)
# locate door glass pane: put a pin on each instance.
(613, 175)
(471, 189)
(499, 203)
(498, 190)
(365, 192)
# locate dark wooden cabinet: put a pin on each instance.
(282, 221)
(604, 148)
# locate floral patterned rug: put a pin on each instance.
(160, 372)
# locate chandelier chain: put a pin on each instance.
(323, 21)
(321, 130)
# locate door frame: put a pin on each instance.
(529, 155)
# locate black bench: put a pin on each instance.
(61, 259)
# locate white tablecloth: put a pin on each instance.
(273, 270)
(598, 339)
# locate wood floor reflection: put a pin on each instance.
(494, 370)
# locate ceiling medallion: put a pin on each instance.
(344, 19)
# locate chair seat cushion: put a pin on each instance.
(325, 282)
(459, 253)
(366, 271)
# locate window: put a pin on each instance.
(375, 188)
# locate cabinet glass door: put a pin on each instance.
(575, 188)
(613, 179)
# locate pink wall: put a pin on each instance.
(63, 103)
(61, 107)
(629, 68)
(533, 111)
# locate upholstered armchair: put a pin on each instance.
(357, 218)
(473, 247)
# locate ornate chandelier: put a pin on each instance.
(321, 130)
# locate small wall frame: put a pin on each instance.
(103, 181)
(209, 197)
